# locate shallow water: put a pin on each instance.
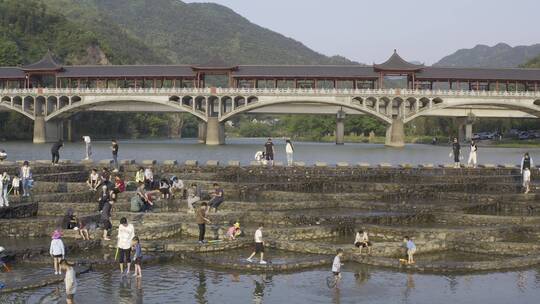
(180, 283)
(243, 149)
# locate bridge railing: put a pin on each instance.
(279, 91)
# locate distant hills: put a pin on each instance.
(501, 55)
(187, 33)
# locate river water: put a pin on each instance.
(244, 149)
(181, 283)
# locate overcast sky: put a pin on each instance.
(421, 30)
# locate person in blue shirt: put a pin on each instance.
(411, 249)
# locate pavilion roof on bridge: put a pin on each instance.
(12, 73)
(397, 64)
(47, 63)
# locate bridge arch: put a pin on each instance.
(16, 104)
(350, 105)
(79, 106)
(531, 107)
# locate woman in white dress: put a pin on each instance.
(289, 149)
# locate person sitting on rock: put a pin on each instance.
(83, 230)
(193, 196)
(362, 241)
(70, 221)
(177, 187)
(139, 176)
(149, 179)
(105, 176)
(218, 196)
(164, 188)
(94, 180)
(119, 184)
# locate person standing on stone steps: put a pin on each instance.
(55, 151)
(526, 165)
(472, 155)
(456, 151)
(26, 178)
(202, 220)
(114, 149)
(269, 151)
(289, 149)
(4, 189)
(88, 145)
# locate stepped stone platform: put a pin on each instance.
(462, 220)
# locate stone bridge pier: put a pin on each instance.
(49, 131)
(465, 128)
(395, 133)
(215, 132)
(201, 136)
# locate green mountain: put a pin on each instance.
(498, 56)
(28, 28)
(190, 32)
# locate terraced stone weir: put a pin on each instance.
(477, 237)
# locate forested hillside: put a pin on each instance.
(498, 56)
(191, 32)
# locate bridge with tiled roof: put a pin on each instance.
(394, 92)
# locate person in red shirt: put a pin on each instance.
(119, 184)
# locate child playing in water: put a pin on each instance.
(411, 249)
(336, 265)
(57, 250)
(137, 257)
(70, 280)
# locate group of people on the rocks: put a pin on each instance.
(456, 154)
(128, 252)
(149, 189)
(12, 185)
(59, 144)
(267, 156)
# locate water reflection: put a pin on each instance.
(262, 282)
(452, 283)
(521, 281)
(200, 291)
(180, 283)
(409, 286)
